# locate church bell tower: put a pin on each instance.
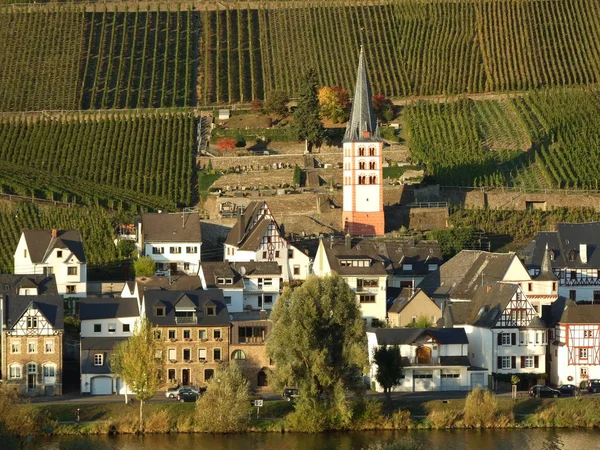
(363, 158)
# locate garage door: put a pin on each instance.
(450, 380)
(101, 386)
(477, 380)
(423, 381)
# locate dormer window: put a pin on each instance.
(160, 311)
(210, 311)
(572, 255)
(407, 267)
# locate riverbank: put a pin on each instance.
(494, 413)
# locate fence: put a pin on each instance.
(522, 190)
(11, 197)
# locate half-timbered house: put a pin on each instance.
(575, 350)
(574, 253)
(256, 236)
(32, 343)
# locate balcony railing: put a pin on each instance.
(582, 282)
(186, 319)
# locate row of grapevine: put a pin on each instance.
(144, 159)
(39, 59)
(96, 228)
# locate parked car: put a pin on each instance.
(593, 386)
(568, 390)
(540, 390)
(172, 393)
(187, 395)
(290, 393)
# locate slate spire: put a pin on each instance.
(546, 273)
(362, 125)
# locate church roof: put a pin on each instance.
(362, 126)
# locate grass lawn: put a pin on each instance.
(205, 181)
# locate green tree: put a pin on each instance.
(276, 103)
(298, 176)
(126, 248)
(318, 343)
(138, 361)
(421, 322)
(225, 407)
(307, 123)
(144, 267)
(453, 240)
(389, 368)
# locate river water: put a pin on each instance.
(536, 439)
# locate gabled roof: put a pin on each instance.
(92, 308)
(51, 306)
(40, 243)
(403, 336)
(199, 300)
(420, 255)
(251, 226)
(184, 302)
(580, 314)
(10, 284)
(256, 268)
(406, 296)
(213, 271)
(175, 227)
(339, 249)
(460, 277)
(362, 117)
(564, 246)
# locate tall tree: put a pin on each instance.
(389, 368)
(144, 267)
(307, 122)
(318, 343)
(225, 407)
(334, 102)
(276, 103)
(139, 362)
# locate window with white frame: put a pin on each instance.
(15, 346)
(31, 347)
(505, 338)
(112, 327)
(49, 370)
(587, 333)
(522, 338)
(191, 250)
(98, 359)
(32, 322)
(217, 333)
(175, 250)
(529, 362)
(216, 354)
(583, 372)
(172, 354)
(32, 368)
(202, 354)
(15, 371)
(583, 353)
(49, 346)
(157, 250)
(72, 270)
(506, 362)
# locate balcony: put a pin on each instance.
(582, 282)
(179, 320)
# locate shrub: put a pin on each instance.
(226, 144)
(144, 267)
(276, 103)
(401, 419)
(18, 419)
(256, 105)
(309, 417)
(368, 414)
(482, 411)
(159, 422)
(444, 418)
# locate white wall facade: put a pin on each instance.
(570, 366)
(364, 197)
(185, 255)
(87, 327)
(258, 290)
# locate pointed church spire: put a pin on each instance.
(362, 125)
(546, 273)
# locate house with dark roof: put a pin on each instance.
(27, 285)
(194, 326)
(574, 253)
(104, 323)
(506, 334)
(432, 359)
(262, 283)
(575, 349)
(256, 236)
(359, 264)
(32, 343)
(410, 306)
(172, 240)
(222, 275)
(54, 252)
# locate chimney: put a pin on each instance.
(488, 288)
(583, 253)
(54, 233)
(348, 241)
(501, 286)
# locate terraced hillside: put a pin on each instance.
(122, 56)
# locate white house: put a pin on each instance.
(432, 359)
(262, 284)
(257, 237)
(54, 252)
(104, 323)
(359, 266)
(574, 258)
(172, 240)
(220, 275)
(575, 350)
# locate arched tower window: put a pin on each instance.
(361, 151)
(361, 165)
(238, 354)
(372, 165)
(371, 152)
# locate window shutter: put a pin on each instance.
(536, 362)
(499, 338)
(522, 362)
(513, 339)
(499, 362)
(513, 362)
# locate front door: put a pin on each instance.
(173, 268)
(423, 355)
(31, 381)
(185, 377)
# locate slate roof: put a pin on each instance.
(460, 277)
(362, 116)
(176, 227)
(405, 336)
(175, 283)
(563, 241)
(92, 345)
(199, 299)
(250, 227)
(107, 308)
(337, 250)
(574, 313)
(220, 269)
(10, 284)
(256, 268)
(51, 306)
(40, 243)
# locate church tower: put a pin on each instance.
(363, 158)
